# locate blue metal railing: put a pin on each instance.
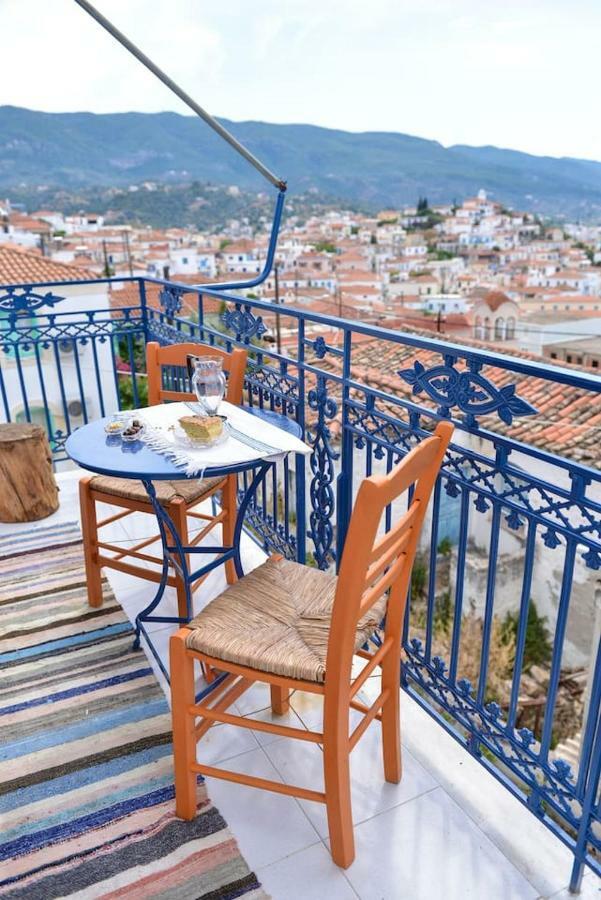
(512, 525)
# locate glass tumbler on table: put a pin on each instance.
(208, 383)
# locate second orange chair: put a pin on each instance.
(295, 627)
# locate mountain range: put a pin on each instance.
(373, 169)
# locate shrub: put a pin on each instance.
(419, 578)
(538, 648)
(445, 546)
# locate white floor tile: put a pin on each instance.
(223, 742)
(591, 889)
(309, 707)
(526, 842)
(300, 763)
(267, 826)
(428, 848)
(253, 700)
(289, 719)
(308, 875)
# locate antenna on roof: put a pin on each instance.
(211, 121)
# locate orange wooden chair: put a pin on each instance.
(298, 628)
(177, 496)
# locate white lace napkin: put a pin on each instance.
(160, 436)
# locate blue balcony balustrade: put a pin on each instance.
(506, 592)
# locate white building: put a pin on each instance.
(495, 317)
(67, 378)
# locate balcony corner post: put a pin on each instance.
(143, 307)
(344, 498)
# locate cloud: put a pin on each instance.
(521, 74)
(60, 59)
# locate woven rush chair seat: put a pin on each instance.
(188, 490)
(276, 619)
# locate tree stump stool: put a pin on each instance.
(28, 490)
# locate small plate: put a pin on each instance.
(115, 428)
(133, 437)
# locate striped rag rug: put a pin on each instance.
(86, 785)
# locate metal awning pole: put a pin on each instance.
(279, 183)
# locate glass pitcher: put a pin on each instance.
(208, 383)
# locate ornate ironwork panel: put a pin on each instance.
(323, 457)
(466, 390)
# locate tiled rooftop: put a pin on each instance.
(19, 266)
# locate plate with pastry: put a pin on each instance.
(200, 431)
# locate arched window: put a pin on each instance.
(487, 332)
(510, 329)
(499, 328)
(478, 328)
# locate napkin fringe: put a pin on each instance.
(157, 441)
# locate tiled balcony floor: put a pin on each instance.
(447, 831)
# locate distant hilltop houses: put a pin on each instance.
(470, 269)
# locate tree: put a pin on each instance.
(325, 247)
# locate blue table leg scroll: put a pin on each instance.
(175, 554)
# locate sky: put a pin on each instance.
(523, 74)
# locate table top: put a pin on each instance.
(92, 448)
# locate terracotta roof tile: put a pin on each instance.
(24, 267)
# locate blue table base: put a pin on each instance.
(175, 554)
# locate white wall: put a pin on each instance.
(78, 300)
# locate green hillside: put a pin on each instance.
(78, 150)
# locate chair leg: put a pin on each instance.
(280, 700)
(337, 778)
(89, 529)
(228, 505)
(181, 667)
(391, 723)
(179, 516)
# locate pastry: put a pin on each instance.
(202, 428)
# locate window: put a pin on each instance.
(579, 360)
(568, 357)
(553, 355)
(185, 260)
(594, 363)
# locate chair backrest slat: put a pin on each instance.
(176, 357)
(374, 593)
(386, 559)
(373, 566)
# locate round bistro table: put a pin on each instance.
(94, 450)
